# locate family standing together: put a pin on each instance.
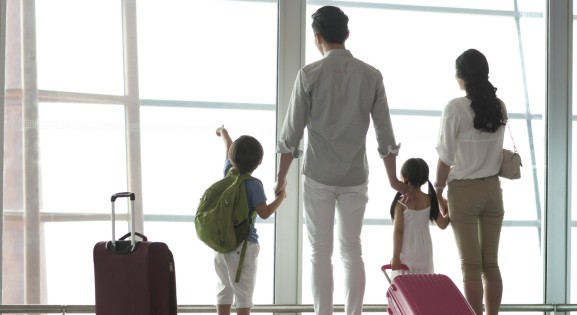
(335, 99)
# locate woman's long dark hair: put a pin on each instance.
(473, 68)
(416, 173)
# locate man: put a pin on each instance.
(335, 98)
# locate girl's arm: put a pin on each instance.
(264, 211)
(442, 174)
(398, 226)
(443, 219)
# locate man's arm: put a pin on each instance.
(296, 119)
(283, 168)
(391, 167)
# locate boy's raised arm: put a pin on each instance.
(223, 133)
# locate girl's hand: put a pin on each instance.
(396, 263)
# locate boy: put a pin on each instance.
(245, 154)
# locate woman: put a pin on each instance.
(469, 146)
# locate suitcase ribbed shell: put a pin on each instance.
(426, 294)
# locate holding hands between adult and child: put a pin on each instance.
(283, 167)
(443, 206)
(263, 210)
(243, 156)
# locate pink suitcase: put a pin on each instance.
(420, 294)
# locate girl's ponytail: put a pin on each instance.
(434, 202)
(394, 204)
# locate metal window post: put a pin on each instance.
(288, 235)
(557, 219)
(2, 98)
(132, 109)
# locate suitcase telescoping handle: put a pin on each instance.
(132, 197)
(388, 266)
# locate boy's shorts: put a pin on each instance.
(227, 290)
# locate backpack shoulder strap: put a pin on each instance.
(241, 260)
(243, 250)
(243, 177)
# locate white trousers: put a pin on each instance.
(323, 205)
(226, 266)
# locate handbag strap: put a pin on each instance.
(512, 140)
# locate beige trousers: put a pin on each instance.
(476, 212)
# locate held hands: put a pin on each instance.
(280, 194)
(443, 205)
(279, 186)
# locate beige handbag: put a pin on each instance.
(511, 163)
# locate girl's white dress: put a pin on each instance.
(417, 250)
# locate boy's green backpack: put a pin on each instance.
(222, 218)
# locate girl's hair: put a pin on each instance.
(246, 154)
(472, 67)
(416, 172)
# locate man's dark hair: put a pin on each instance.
(332, 23)
(246, 154)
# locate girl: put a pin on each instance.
(412, 244)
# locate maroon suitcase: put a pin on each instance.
(420, 294)
(133, 277)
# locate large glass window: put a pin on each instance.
(197, 65)
(79, 46)
(64, 153)
(82, 162)
(201, 65)
(415, 47)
